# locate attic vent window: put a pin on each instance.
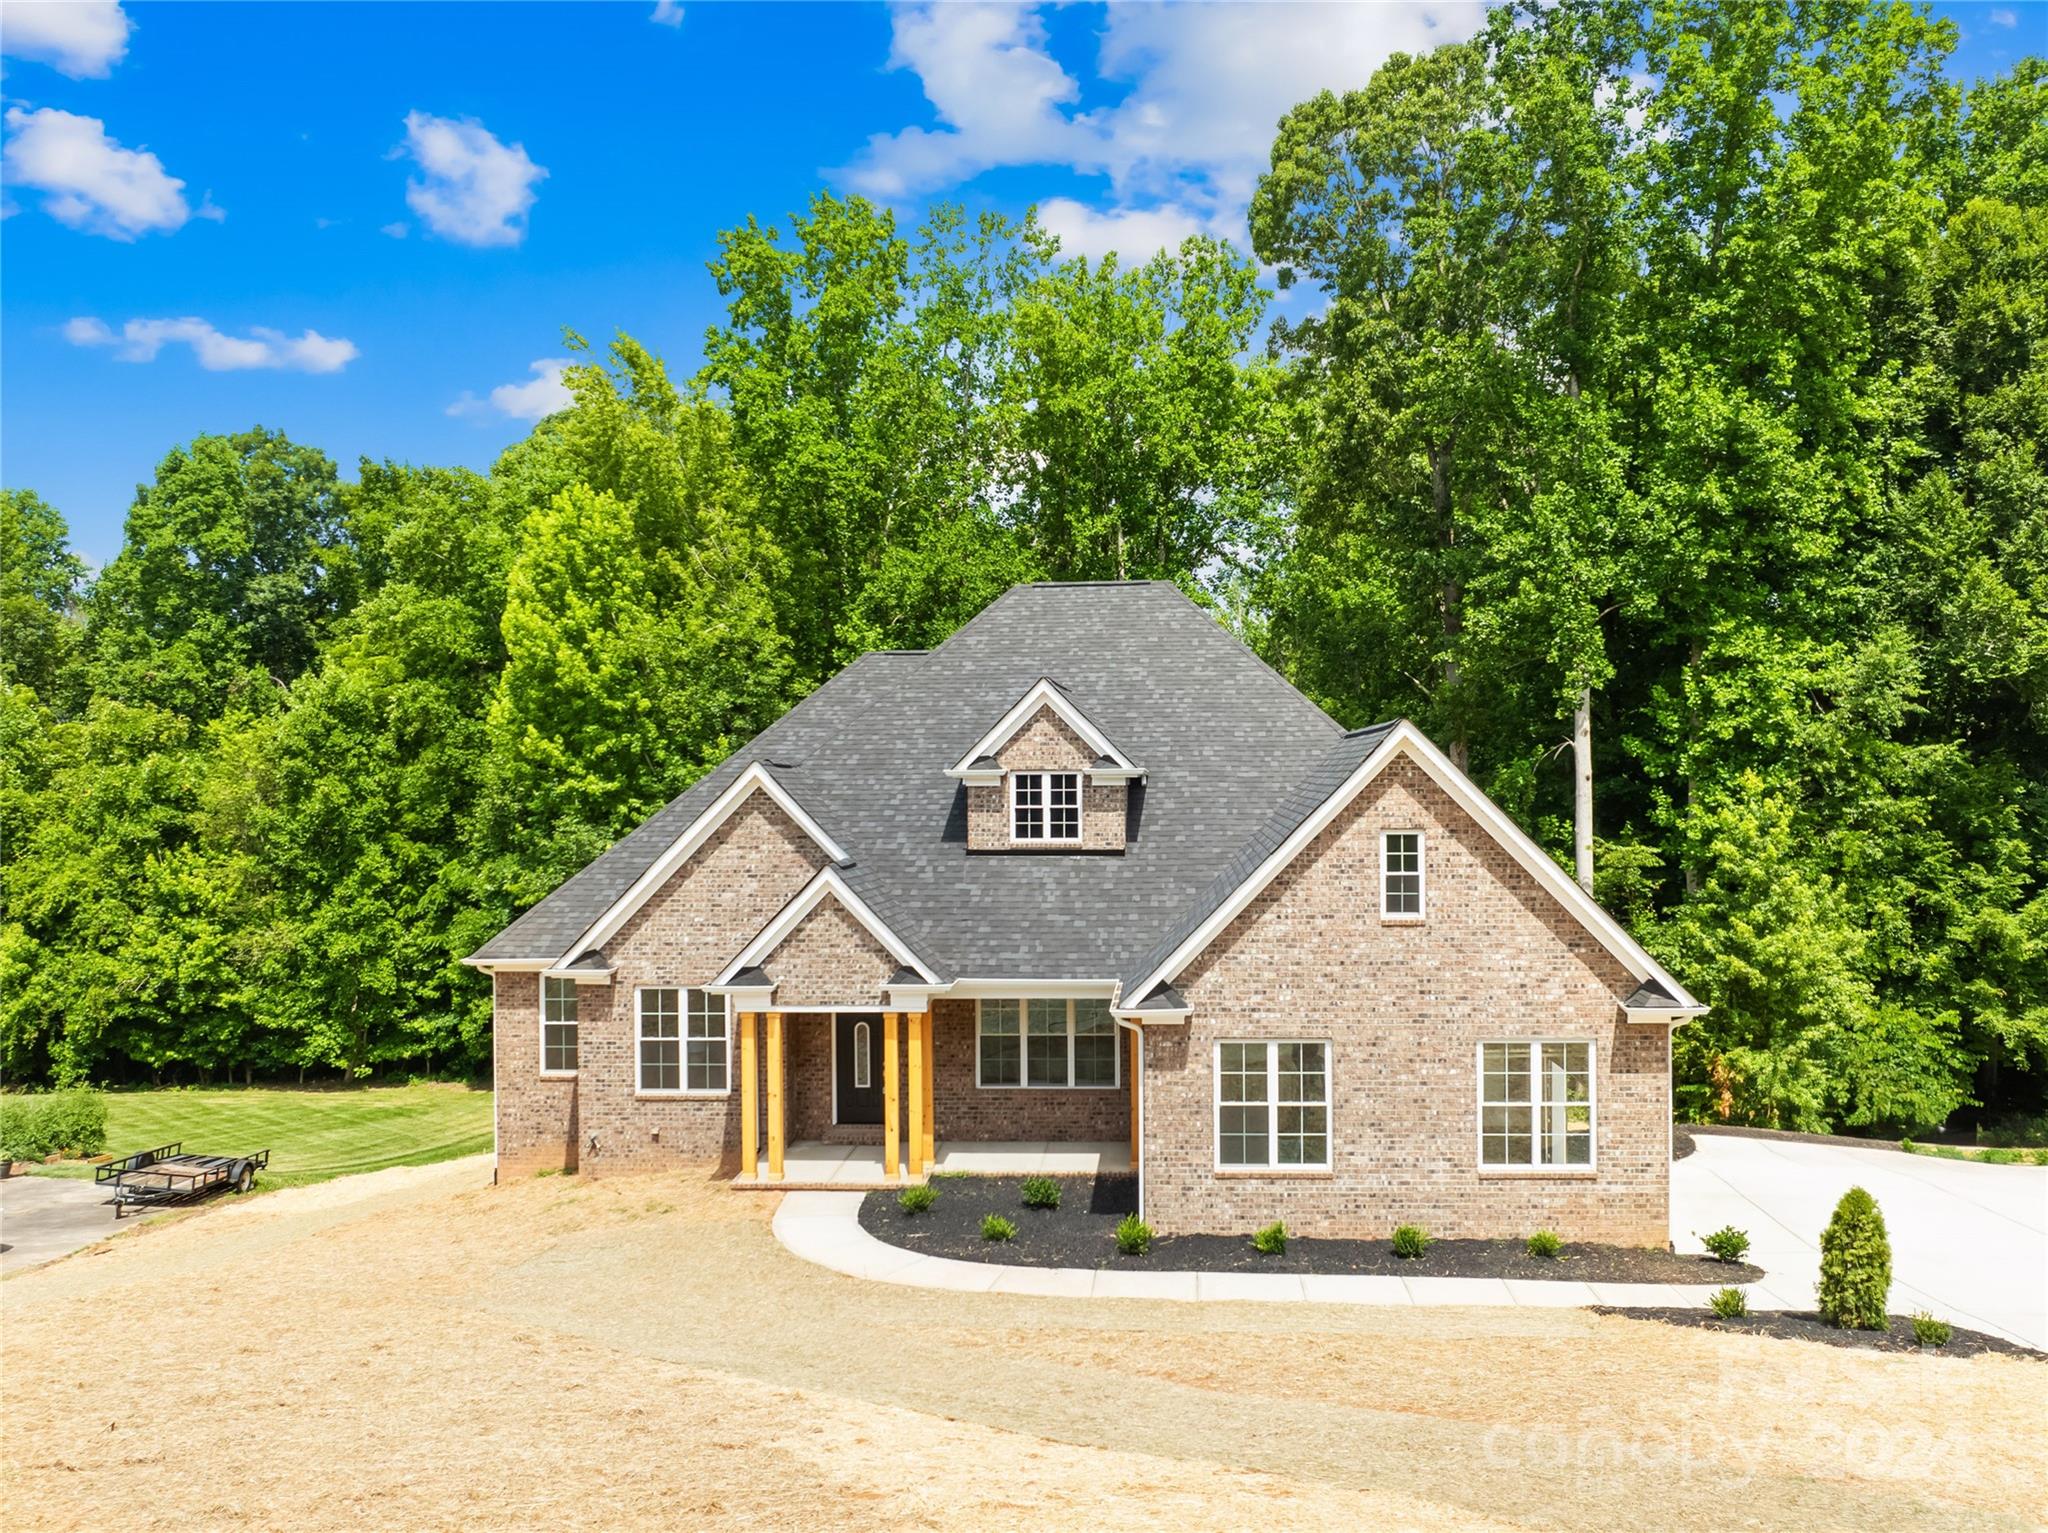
(1045, 807)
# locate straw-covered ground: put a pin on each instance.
(416, 1349)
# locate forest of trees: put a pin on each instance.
(1670, 373)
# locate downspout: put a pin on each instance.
(1138, 1096)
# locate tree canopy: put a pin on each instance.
(1658, 384)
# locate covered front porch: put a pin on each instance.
(814, 1163)
(856, 1098)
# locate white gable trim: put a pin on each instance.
(828, 884)
(756, 778)
(1406, 740)
(1044, 695)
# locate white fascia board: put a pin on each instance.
(1032, 989)
(581, 976)
(1146, 1016)
(911, 997)
(829, 883)
(510, 965)
(1406, 739)
(756, 778)
(1043, 695)
(1662, 1016)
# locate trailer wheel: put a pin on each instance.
(245, 1176)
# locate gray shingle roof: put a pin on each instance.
(1222, 735)
(1649, 996)
(1300, 801)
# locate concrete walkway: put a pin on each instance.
(824, 1227)
(1969, 1240)
(811, 1163)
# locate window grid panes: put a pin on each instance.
(1045, 806)
(661, 1040)
(707, 1053)
(558, 1025)
(1536, 1104)
(1401, 873)
(1002, 1049)
(1045, 1043)
(1273, 1105)
(1049, 1043)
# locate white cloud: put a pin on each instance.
(84, 39)
(667, 13)
(89, 181)
(991, 82)
(1132, 234)
(397, 231)
(140, 340)
(1185, 145)
(2005, 18)
(543, 394)
(473, 189)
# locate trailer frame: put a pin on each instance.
(166, 1176)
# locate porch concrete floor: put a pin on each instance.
(813, 1163)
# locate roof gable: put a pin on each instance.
(979, 764)
(1304, 813)
(829, 884)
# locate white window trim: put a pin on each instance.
(1406, 917)
(1046, 775)
(863, 1055)
(1273, 1104)
(1023, 1040)
(546, 1022)
(1592, 1165)
(682, 1093)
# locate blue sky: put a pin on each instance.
(368, 224)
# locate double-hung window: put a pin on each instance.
(1045, 806)
(1401, 875)
(682, 1040)
(1273, 1106)
(1047, 1043)
(1536, 1105)
(557, 1026)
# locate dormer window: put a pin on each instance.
(1045, 807)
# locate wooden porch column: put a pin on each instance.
(915, 1168)
(1135, 1072)
(892, 1106)
(750, 1096)
(776, 1137)
(931, 1075)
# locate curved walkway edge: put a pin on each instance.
(824, 1228)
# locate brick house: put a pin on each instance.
(1089, 885)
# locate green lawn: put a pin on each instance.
(311, 1135)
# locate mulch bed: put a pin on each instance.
(1682, 1143)
(1797, 1325)
(1081, 1232)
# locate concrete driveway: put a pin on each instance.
(45, 1217)
(1969, 1241)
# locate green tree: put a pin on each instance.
(41, 582)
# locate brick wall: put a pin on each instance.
(1404, 1008)
(829, 960)
(965, 1111)
(1045, 743)
(536, 1117)
(746, 872)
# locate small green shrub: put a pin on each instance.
(1930, 1332)
(1410, 1241)
(996, 1227)
(1729, 1304)
(1041, 1192)
(1546, 1244)
(1727, 1243)
(1133, 1235)
(915, 1200)
(34, 1126)
(1855, 1265)
(1272, 1240)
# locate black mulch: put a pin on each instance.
(1081, 1232)
(1798, 1325)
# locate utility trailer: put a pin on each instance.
(166, 1175)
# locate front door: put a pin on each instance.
(857, 1066)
